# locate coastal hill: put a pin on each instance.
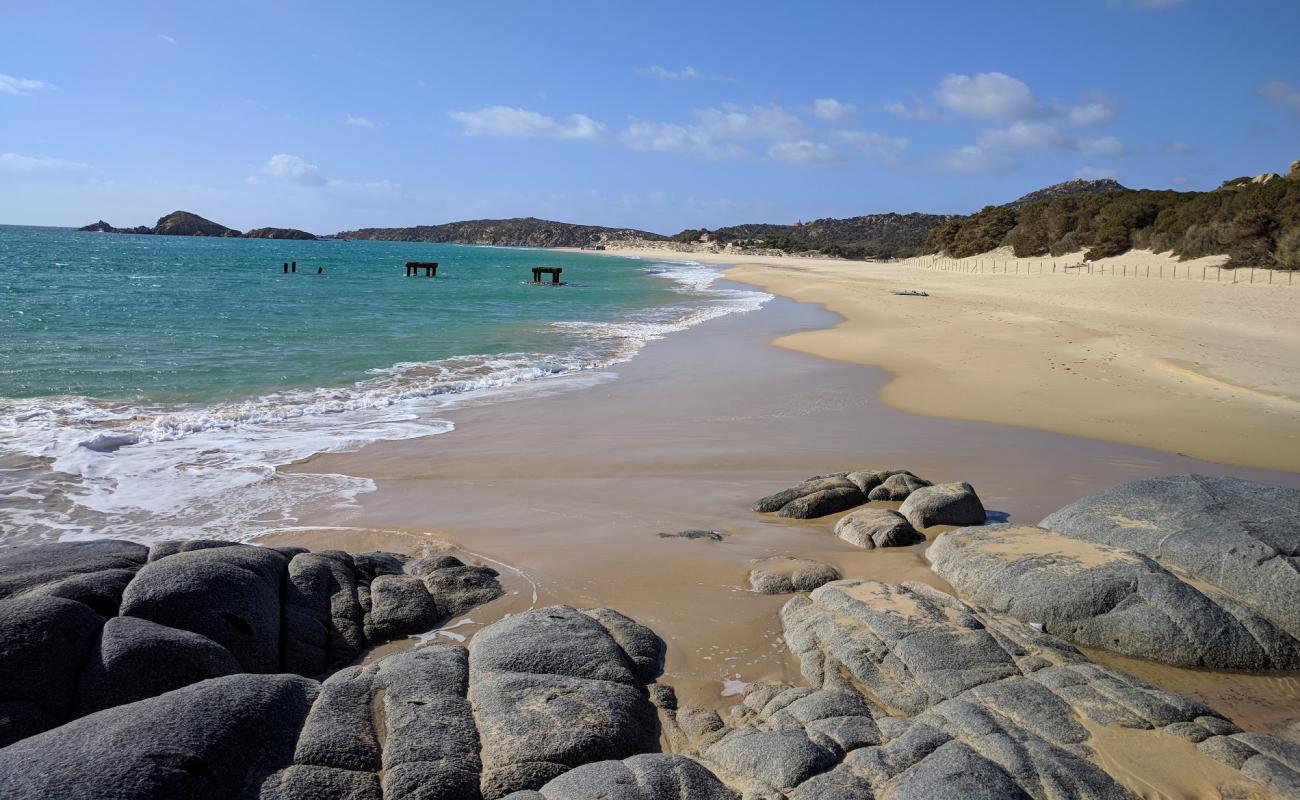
(1068, 189)
(870, 236)
(184, 223)
(1253, 221)
(516, 232)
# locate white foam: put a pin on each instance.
(142, 472)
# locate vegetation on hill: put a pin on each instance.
(1067, 189)
(517, 232)
(184, 223)
(1255, 222)
(871, 236)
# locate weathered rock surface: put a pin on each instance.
(1240, 536)
(915, 694)
(943, 504)
(843, 488)
(897, 487)
(91, 625)
(786, 575)
(877, 527)
(1107, 597)
(653, 776)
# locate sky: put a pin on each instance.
(662, 116)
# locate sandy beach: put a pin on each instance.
(1203, 367)
(572, 490)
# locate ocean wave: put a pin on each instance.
(72, 467)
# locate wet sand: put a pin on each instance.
(573, 488)
(1202, 367)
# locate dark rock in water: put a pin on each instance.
(877, 527)
(643, 648)
(943, 504)
(458, 589)
(26, 566)
(183, 223)
(213, 739)
(786, 575)
(821, 503)
(775, 502)
(137, 659)
(653, 776)
(1240, 536)
(712, 536)
(428, 564)
(1106, 597)
(98, 227)
(229, 594)
(43, 643)
(897, 487)
(400, 605)
(279, 233)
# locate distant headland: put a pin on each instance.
(184, 223)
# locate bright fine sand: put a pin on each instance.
(567, 491)
(1182, 363)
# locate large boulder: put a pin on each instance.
(814, 497)
(458, 587)
(786, 575)
(897, 487)
(216, 739)
(1109, 598)
(653, 776)
(1237, 535)
(43, 643)
(400, 605)
(943, 504)
(552, 690)
(137, 659)
(323, 625)
(27, 566)
(869, 528)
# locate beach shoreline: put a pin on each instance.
(1207, 368)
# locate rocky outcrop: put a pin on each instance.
(86, 626)
(869, 528)
(785, 575)
(279, 233)
(913, 693)
(184, 223)
(897, 487)
(944, 504)
(1109, 598)
(1241, 537)
(653, 776)
(517, 232)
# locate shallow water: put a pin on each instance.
(149, 385)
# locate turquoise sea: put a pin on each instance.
(150, 385)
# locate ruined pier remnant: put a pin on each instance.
(554, 272)
(430, 268)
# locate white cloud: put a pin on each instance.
(1179, 148)
(294, 170)
(1003, 149)
(830, 110)
(685, 73)
(508, 122)
(802, 152)
(15, 168)
(360, 122)
(1277, 93)
(11, 85)
(716, 131)
(1095, 173)
(989, 95)
(162, 37)
(1098, 109)
(875, 145)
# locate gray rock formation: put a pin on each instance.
(1107, 597)
(897, 487)
(653, 776)
(1239, 536)
(92, 625)
(877, 527)
(943, 504)
(915, 694)
(785, 575)
(814, 495)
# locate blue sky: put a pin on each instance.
(662, 116)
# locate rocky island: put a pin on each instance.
(184, 223)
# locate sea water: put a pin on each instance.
(150, 385)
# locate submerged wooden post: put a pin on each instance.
(286, 267)
(430, 268)
(554, 272)
(293, 266)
